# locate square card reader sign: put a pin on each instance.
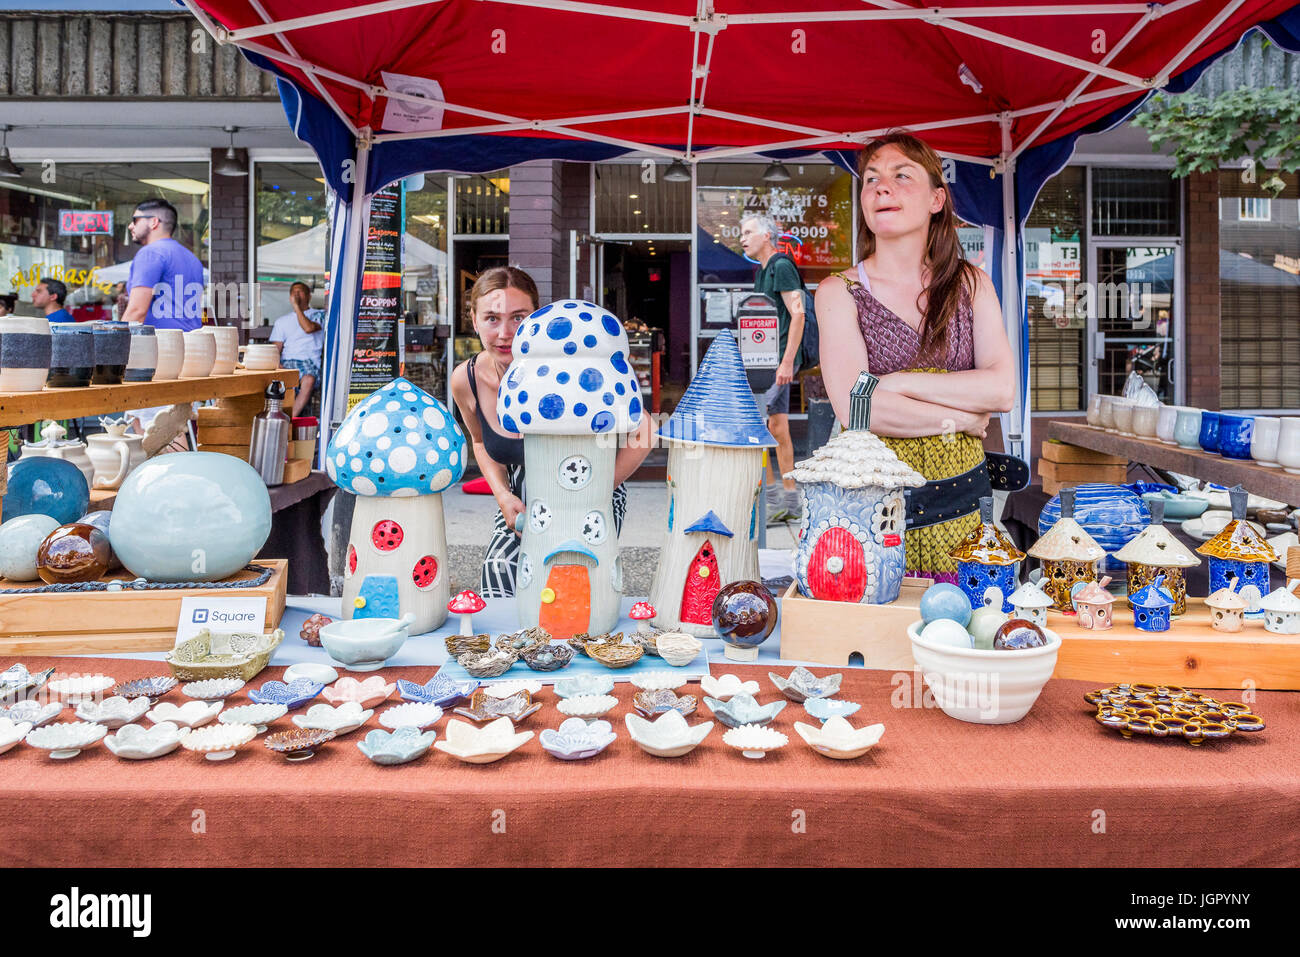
(243, 614)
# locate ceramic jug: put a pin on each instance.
(54, 444)
(24, 353)
(114, 453)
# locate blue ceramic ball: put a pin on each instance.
(942, 600)
(190, 516)
(46, 486)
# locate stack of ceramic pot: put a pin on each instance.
(142, 359)
(72, 354)
(112, 348)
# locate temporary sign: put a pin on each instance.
(759, 334)
(85, 222)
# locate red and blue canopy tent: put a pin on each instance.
(1001, 89)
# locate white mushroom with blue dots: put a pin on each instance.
(397, 451)
(570, 391)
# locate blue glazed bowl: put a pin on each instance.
(1235, 435)
(1209, 437)
(292, 695)
(439, 690)
(190, 516)
(46, 486)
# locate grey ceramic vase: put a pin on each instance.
(24, 353)
(112, 347)
(143, 357)
(72, 355)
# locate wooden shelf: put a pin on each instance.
(1256, 479)
(23, 408)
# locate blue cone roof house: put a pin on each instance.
(716, 439)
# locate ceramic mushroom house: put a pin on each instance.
(397, 451)
(1095, 605)
(1227, 608)
(1156, 552)
(1030, 603)
(1069, 555)
(1240, 551)
(987, 562)
(1152, 606)
(1282, 610)
(466, 604)
(570, 392)
(715, 439)
(851, 540)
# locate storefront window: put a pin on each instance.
(635, 199)
(1054, 266)
(1135, 202)
(482, 205)
(292, 233)
(425, 249)
(43, 235)
(1259, 294)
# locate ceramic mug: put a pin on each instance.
(227, 339)
(1187, 429)
(171, 353)
(112, 349)
(1165, 422)
(24, 353)
(72, 354)
(142, 360)
(1288, 445)
(200, 354)
(1106, 415)
(1145, 418)
(1094, 409)
(1124, 409)
(1235, 432)
(1209, 437)
(1263, 441)
(261, 357)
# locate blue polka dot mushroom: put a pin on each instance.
(397, 451)
(570, 391)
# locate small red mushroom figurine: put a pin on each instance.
(643, 611)
(465, 604)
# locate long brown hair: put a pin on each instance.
(501, 277)
(947, 264)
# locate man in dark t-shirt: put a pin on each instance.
(779, 278)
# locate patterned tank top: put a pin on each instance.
(894, 346)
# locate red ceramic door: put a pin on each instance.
(845, 580)
(702, 585)
(568, 610)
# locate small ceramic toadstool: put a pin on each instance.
(642, 611)
(465, 604)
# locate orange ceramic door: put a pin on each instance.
(702, 586)
(569, 610)
(845, 580)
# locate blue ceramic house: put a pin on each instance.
(1152, 606)
(987, 562)
(1240, 551)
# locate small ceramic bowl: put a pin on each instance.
(136, 743)
(396, 747)
(668, 736)
(803, 684)
(192, 714)
(439, 690)
(458, 645)
(213, 689)
(650, 642)
(653, 703)
(256, 716)
(614, 656)
(823, 709)
(522, 641)
(504, 689)
(589, 684)
(679, 649)
(742, 709)
(580, 642)
(754, 741)
(17, 683)
(364, 644)
(724, 686)
(484, 707)
(576, 740)
(297, 744)
(374, 690)
(312, 671)
(35, 713)
(342, 720)
(11, 732)
(410, 716)
(218, 742)
(838, 739)
(492, 663)
(83, 688)
(654, 680)
(113, 712)
(68, 739)
(292, 695)
(482, 745)
(587, 706)
(551, 656)
(153, 688)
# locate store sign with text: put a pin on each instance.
(377, 342)
(85, 222)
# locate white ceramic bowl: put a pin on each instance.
(136, 743)
(364, 644)
(321, 674)
(213, 689)
(82, 688)
(984, 686)
(677, 648)
(217, 742)
(11, 732)
(754, 741)
(416, 714)
(344, 719)
(66, 739)
(506, 689)
(191, 714)
(256, 715)
(587, 705)
(724, 686)
(657, 680)
(113, 712)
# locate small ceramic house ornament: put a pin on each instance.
(397, 451)
(1240, 550)
(1094, 605)
(1069, 555)
(987, 562)
(715, 440)
(1156, 552)
(1031, 603)
(570, 391)
(1152, 606)
(1282, 610)
(1227, 608)
(851, 540)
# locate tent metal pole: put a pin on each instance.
(333, 16)
(349, 285)
(1017, 438)
(939, 16)
(600, 10)
(1056, 56)
(1162, 78)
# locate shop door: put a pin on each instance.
(1135, 315)
(837, 570)
(702, 586)
(569, 610)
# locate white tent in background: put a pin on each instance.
(120, 272)
(303, 254)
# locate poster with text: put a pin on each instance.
(377, 342)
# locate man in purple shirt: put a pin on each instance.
(165, 288)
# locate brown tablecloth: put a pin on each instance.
(1053, 789)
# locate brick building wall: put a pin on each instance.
(535, 224)
(228, 228)
(1201, 312)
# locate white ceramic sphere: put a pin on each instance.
(20, 538)
(945, 631)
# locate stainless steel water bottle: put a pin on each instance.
(269, 445)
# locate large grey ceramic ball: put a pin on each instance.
(19, 540)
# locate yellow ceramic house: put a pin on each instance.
(1155, 552)
(1069, 555)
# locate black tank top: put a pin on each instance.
(503, 449)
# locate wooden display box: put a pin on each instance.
(829, 632)
(102, 622)
(1067, 454)
(295, 470)
(1056, 474)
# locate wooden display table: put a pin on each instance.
(1256, 479)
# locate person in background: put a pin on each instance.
(48, 296)
(8, 303)
(779, 279)
(165, 288)
(301, 339)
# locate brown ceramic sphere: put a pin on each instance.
(73, 553)
(1017, 635)
(744, 613)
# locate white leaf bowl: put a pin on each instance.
(678, 648)
(588, 684)
(838, 739)
(368, 693)
(483, 745)
(137, 743)
(658, 680)
(754, 741)
(113, 712)
(390, 748)
(984, 685)
(213, 689)
(725, 686)
(668, 736)
(257, 715)
(504, 689)
(33, 712)
(312, 671)
(218, 742)
(82, 688)
(11, 732)
(414, 715)
(191, 714)
(342, 719)
(587, 705)
(802, 684)
(576, 740)
(67, 739)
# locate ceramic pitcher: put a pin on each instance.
(114, 453)
(54, 444)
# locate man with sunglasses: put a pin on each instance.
(165, 288)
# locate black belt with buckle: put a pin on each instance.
(942, 500)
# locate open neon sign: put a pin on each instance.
(85, 222)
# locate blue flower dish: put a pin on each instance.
(396, 747)
(439, 690)
(292, 695)
(744, 709)
(576, 740)
(593, 684)
(823, 709)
